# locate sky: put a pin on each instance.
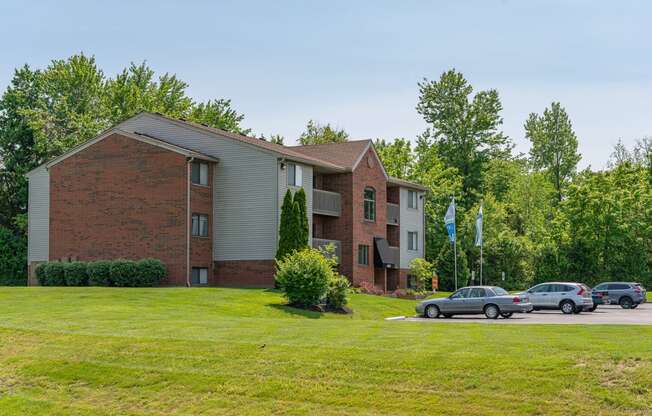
(356, 64)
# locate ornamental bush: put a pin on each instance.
(99, 273)
(303, 276)
(338, 289)
(41, 273)
(56, 274)
(150, 272)
(76, 273)
(124, 273)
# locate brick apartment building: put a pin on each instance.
(207, 203)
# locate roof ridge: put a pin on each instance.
(332, 144)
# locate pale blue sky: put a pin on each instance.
(356, 63)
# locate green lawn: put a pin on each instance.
(99, 351)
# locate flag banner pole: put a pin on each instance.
(455, 260)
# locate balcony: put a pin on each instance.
(326, 203)
(393, 214)
(322, 242)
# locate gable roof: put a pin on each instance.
(136, 136)
(278, 149)
(346, 154)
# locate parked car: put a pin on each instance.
(565, 296)
(492, 301)
(627, 295)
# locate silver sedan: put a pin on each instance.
(492, 301)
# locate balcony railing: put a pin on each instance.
(322, 242)
(393, 214)
(326, 203)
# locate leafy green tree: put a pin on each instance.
(13, 258)
(322, 134)
(397, 156)
(302, 212)
(464, 130)
(135, 89)
(554, 145)
(219, 114)
(277, 139)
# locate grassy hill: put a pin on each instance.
(101, 351)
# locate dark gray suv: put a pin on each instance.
(627, 295)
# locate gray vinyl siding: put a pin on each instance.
(38, 216)
(307, 186)
(411, 220)
(245, 188)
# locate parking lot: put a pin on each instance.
(605, 314)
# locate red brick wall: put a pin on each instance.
(201, 248)
(120, 198)
(339, 228)
(254, 273)
(368, 175)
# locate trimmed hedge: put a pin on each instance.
(124, 273)
(76, 273)
(99, 273)
(150, 272)
(55, 274)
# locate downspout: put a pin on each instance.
(188, 219)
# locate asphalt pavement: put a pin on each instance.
(603, 315)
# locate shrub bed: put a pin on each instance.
(76, 273)
(125, 273)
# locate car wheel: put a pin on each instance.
(432, 311)
(491, 311)
(567, 307)
(578, 310)
(635, 306)
(506, 314)
(626, 302)
(593, 308)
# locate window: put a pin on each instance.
(412, 200)
(413, 241)
(601, 287)
(461, 294)
(200, 173)
(295, 175)
(540, 289)
(618, 286)
(363, 255)
(200, 225)
(199, 276)
(369, 204)
(477, 292)
(500, 291)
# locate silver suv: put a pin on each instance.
(627, 295)
(565, 296)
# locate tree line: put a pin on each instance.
(543, 219)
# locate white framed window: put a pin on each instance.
(199, 173)
(413, 240)
(412, 200)
(295, 175)
(363, 255)
(369, 204)
(199, 276)
(200, 225)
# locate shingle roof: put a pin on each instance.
(273, 147)
(345, 154)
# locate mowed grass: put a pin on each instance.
(109, 351)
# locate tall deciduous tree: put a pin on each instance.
(464, 129)
(322, 134)
(397, 156)
(554, 145)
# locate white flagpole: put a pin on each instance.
(481, 244)
(455, 246)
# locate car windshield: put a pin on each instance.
(500, 291)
